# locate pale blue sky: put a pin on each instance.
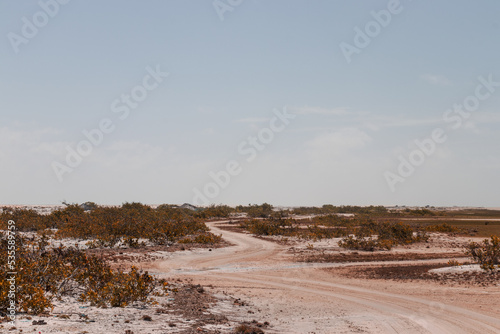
(353, 120)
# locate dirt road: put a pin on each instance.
(304, 298)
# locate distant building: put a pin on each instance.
(88, 206)
(189, 207)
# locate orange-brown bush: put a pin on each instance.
(44, 274)
(26, 219)
(110, 225)
(257, 211)
(117, 289)
(214, 211)
(445, 228)
(487, 253)
(248, 329)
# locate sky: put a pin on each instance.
(248, 101)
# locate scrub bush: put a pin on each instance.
(487, 253)
(43, 275)
(387, 235)
(110, 226)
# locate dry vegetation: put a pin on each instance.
(109, 226)
(487, 253)
(421, 272)
(351, 257)
(358, 233)
(375, 229)
(45, 272)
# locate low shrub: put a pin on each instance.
(204, 238)
(487, 253)
(214, 211)
(317, 228)
(270, 227)
(387, 236)
(362, 243)
(117, 289)
(264, 210)
(445, 228)
(109, 226)
(248, 329)
(44, 274)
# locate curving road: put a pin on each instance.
(301, 298)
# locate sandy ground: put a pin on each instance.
(299, 297)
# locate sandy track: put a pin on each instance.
(299, 298)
